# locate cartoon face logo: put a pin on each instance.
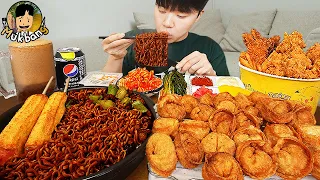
(24, 17)
(70, 70)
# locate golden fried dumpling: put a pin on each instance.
(170, 106)
(248, 133)
(167, 126)
(228, 105)
(303, 116)
(245, 119)
(201, 113)
(224, 96)
(275, 110)
(189, 102)
(274, 132)
(294, 159)
(189, 150)
(243, 101)
(217, 142)
(310, 136)
(252, 110)
(221, 166)
(199, 129)
(256, 97)
(207, 99)
(316, 165)
(255, 161)
(222, 121)
(161, 154)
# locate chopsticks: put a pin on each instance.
(125, 37)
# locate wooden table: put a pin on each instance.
(141, 173)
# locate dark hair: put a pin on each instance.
(184, 6)
(22, 8)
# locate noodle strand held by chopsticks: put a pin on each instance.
(152, 49)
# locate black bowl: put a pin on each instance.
(120, 170)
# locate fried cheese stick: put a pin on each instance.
(15, 134)
(48, 120)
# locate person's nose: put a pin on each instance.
(168, 21)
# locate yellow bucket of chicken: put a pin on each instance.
(304, 90)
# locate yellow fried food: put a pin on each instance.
(310, 136)
(303, 116)
(256, 97)
(255, 161)
(294, 159)
(207, 99)
(246, 119)
(222, 121)
(221, 166)
(316, 165)
(170, 106)
(201, 113)
(14, 136)
(275, 110)
(48, 120)
(161, 154)
(248, 133)
(225, 96)
(218, 142)
(228, 105)
(167, 126)
(189, 102)
(198, 129)
(274, 132)
(242, 101)
(189, 150)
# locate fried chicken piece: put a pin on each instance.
(314, 72)
(189, 150)
(290, 42)
(294, 159)
(255, 161)
(218, 142)
(258, 49)
(201, 113)
(221, 166)
(297, 65)
(275, 64)
(313, 53)
(198, 129)
(161, 155)
(170, 106)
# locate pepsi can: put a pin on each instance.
(70, 62)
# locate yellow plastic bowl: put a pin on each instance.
(304, 90)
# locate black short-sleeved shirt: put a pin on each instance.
(178, 50)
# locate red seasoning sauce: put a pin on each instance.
(201, 81)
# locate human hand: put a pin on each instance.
(115, 46)
(196, 63)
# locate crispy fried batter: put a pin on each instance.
(224, 96)
(294, 159)
(310, 136)
(221, 166)
(303, 115)
(248, 133)
(201, 113)
(161, 154)
(170, 106)
(316, 165)
(198, 129)
(247, 118)
(290, 42)
(169, 126)
(242, 101)
(207, 99)
(222, 121)
(228, 105)
(274, 132)
(189, 102)
(218, 142)
(189, 150)
(313, 52)
(255, 161)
